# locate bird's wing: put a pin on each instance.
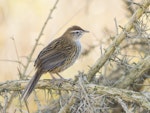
(51, 56)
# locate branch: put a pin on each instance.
(125, 95)
(136, 72)
(66, 107)
(111, 49)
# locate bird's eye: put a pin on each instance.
(77, 32)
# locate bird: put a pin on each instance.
(56, 57)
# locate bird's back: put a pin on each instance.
(58, 55)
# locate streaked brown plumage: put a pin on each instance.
(57, 56)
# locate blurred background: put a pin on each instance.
(22, 20)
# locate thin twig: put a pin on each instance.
(111, 49)
(116, 25)
(134, 73)
(40, 35)
(18, 59)
(70, 102)
(14, 61)
(123, 104)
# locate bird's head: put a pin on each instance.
(75, 32)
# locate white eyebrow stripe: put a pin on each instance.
(76, 31)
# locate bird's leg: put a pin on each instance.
(53, 79)
(61, 80)
(52, 76)
(59, 75)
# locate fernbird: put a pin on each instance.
(57, 56)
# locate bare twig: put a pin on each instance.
(14, 61)
(18, 59)
(81, 83)
(125, 95)
(111, 49)
(116, 25)
(134, 73)
(124, 106)
(37, 40)
(66, 107)
(5, 102)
